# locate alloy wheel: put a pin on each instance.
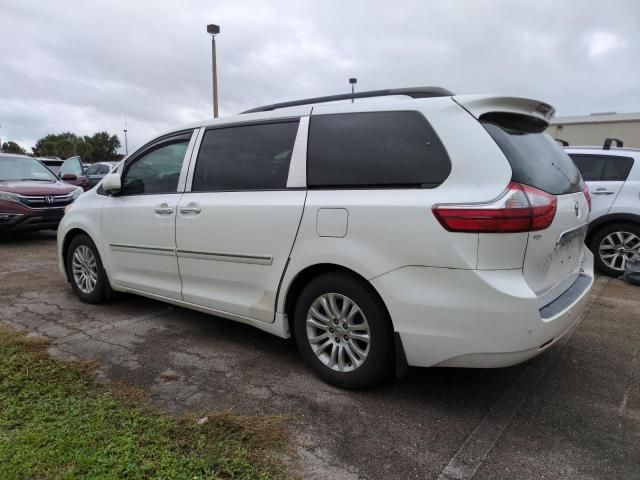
(338, 332)
(617, 248)
(85, 269)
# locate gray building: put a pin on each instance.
(593, 129)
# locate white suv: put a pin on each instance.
(613, 177)
(410, 228)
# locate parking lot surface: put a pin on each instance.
(571, 413)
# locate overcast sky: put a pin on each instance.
(81, 66)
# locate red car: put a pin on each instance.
(31, 197)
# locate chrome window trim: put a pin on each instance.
(193, 160)
(298, 165)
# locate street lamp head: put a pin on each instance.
(213, 29)
(353, 81)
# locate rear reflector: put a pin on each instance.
(520, 209)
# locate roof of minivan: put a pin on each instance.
(474, 103)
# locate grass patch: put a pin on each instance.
(57, 422)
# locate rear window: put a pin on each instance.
(535, 158)
(608, 168)
(375, 149)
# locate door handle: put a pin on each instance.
(164, 209)
(602, 191)
(190, 209)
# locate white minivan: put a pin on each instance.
(410, 227)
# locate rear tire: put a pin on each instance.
(612, 245)
(84, 269)
(343, 331)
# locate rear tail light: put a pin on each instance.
(587, 194)
(520, 209)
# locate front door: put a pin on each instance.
(138, 224)
(236, 227)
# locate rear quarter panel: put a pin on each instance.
(391, 228)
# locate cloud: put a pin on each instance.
(599, 43)
(81, 66)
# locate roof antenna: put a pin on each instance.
(353, 82)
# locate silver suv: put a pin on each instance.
(613, 177)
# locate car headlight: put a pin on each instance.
(77, 192)
(9, 197)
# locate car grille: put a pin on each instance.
(46, 201)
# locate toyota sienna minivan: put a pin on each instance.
(410, 227)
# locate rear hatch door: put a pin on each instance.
(553, 257)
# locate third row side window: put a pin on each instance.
(375, 149)
(248, 157)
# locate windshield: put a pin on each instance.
(23, 168)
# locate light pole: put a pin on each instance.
(126, 144)
(353, 82)
(213, 30)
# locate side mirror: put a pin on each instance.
(111, 183)
(69, 177)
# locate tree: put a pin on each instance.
(12, 147)
(66, 148)
(95, 148)
(49, 145)
(104, 147)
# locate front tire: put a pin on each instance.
(86, 274)
(613, 245)
(343, 331)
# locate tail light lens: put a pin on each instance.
(587, 194)
(521, 209)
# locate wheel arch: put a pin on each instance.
(304, 276)
(68, 238)
(606, 220)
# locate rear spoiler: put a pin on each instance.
(477, 105)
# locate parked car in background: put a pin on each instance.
(31, 196)
(71, 170)
(52, 164)
(415, 227)
(97, 171)
(613, 177)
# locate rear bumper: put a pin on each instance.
(477, 319)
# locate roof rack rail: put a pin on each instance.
(415, 92)
(609, 141)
